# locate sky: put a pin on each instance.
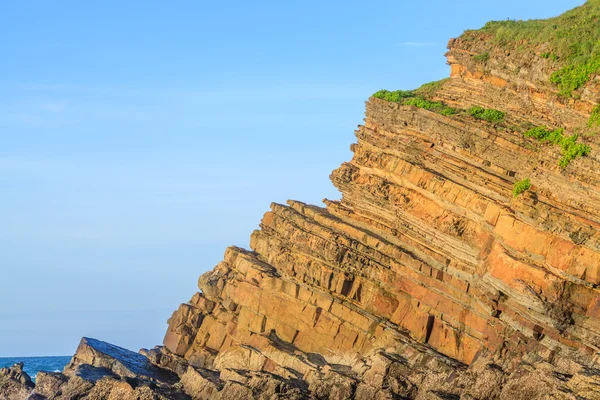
(139, 139)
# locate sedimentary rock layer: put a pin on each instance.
(429, 279)
(427, 253)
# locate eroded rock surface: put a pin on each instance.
(100, 370)
(15, 384)
(427, 280)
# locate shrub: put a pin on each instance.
(427, 90)
(489, 115)
(574, 76)
(395, 96)
(594, 117)
(436, 106)
(418, 98)
(521, 187)
(570, 148)
(545, 135)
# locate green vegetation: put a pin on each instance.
(396, 96)
(570, 148)
(554, 57)
(418, 98)
(594, 117)
(428, 90)
(436, 106)
(572, 38)
(545, 135)
(489, 115)
(574, 76)
(521, 187)
(483, 57)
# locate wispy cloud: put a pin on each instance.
(418, 44)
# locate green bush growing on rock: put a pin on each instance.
(418, 98)
(545, 135)
(570, 148)
(521, 187)
(489, 115)
(574, 76)
(395, 96)
(594, 117)
(436, 106)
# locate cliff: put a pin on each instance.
(462, 262)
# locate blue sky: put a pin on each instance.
(139, 139)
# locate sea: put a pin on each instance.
(33, 365)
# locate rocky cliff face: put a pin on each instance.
(431, 278)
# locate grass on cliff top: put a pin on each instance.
(418, 97)
(397, 96)
(431, 88)
(570, 148)
(572, 39)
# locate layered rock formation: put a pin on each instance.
(429, 279)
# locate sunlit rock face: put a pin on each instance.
(429, 279)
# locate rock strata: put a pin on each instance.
(429, 279)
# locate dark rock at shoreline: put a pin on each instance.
(15, 384)
(114, 360)
(100, 370)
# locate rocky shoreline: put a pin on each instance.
(103, 371)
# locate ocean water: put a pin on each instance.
(33, 365)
